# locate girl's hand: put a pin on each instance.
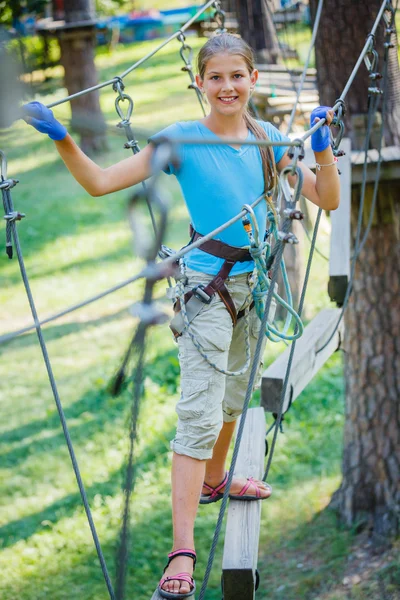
(42, 119)
(320, 139)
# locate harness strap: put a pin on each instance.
(220, 249)
(231, 255)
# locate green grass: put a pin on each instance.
(75, 246)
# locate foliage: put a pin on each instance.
(10, 10)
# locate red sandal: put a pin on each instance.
(216, 493)
(179, 577)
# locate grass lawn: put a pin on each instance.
(75, 246)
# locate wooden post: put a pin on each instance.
(339, 257)
(239, 565)
(306, 361)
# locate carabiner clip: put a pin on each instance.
(285, 186)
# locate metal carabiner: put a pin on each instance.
(291, 199)
(256, 231)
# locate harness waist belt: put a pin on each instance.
(231, 255)
(221, 250)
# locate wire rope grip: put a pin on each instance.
(14, 216)
(287, 237)
(294, 214)
(8, 184)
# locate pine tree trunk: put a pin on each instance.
(257, 28)
(370, 490)
(77, 57)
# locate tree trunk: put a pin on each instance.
(370, 490)
(257, 28)
(77, 57)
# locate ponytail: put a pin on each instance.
(267, 154)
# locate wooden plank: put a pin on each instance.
(339, 257)
(239, 563)
(306, 362)
(269, 68)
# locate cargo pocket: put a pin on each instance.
(194, 398)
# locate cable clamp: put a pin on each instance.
(132, 144)
(14, 216)
(118, 85)
(287, 238)
(375, 91)
(294, 214)
(7, 184)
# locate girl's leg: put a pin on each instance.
(216, 466)
(187, 480)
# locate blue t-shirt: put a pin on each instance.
(216, 180)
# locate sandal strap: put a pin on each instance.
(250, 481)
(178, 577)
(216, 490)
(182, 552)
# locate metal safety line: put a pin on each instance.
(137, 64)
(146, 272)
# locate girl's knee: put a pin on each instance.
(196, 437)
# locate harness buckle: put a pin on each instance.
(200, 293)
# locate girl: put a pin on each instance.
(216, 181)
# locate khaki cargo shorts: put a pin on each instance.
(208, 397)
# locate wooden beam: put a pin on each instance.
(306, 361)
(239, 563)
(339, 255)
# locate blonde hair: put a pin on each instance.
(226, 43)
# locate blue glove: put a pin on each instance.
(42, 119)
(320, 139)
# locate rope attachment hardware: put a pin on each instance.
(11, 215)
(219, 18)
(337, 121)
(371, 60)
(186, 53)
(119, 87)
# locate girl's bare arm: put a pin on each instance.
(97, 181)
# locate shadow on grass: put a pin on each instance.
(96, 261)
(97, 403)
(55, 332)
(22, 529)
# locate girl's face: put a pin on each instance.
(227, 83)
